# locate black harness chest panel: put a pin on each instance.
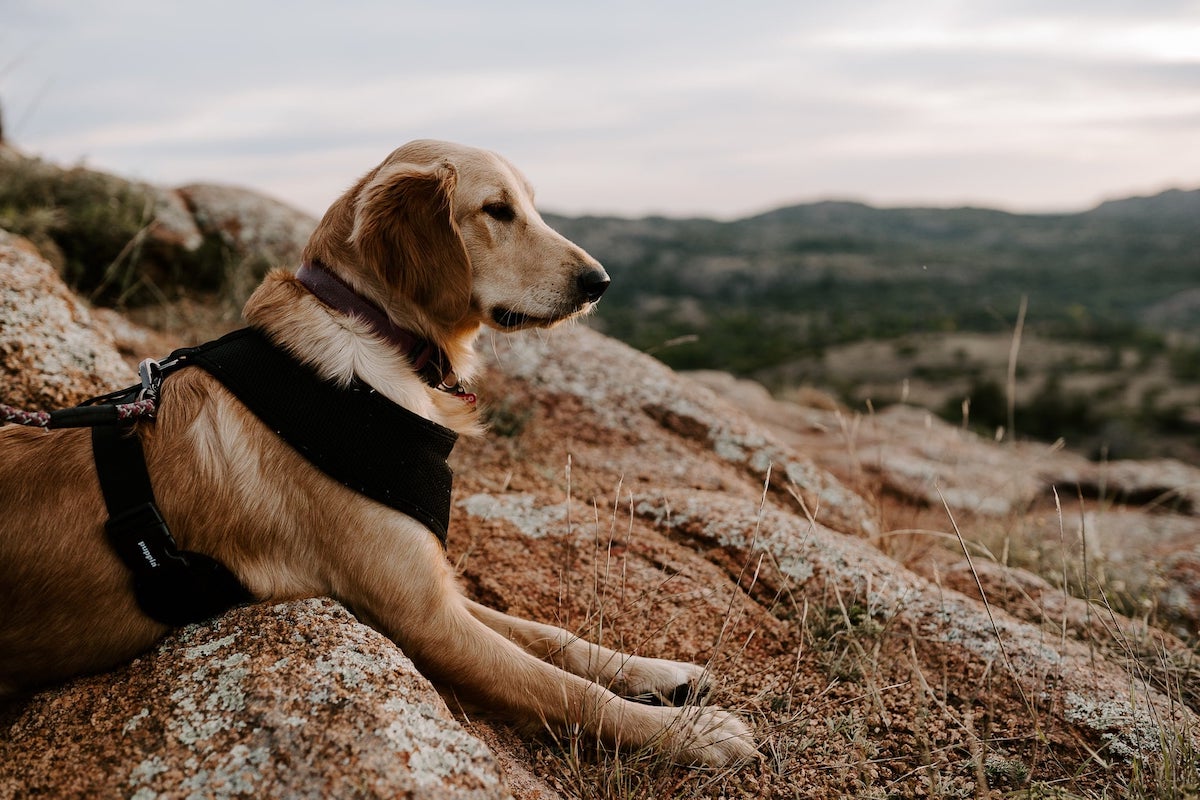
(354, 435)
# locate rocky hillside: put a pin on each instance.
(899, 607)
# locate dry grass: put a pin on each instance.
(1120, 622)
(590, 770)
(848, 703)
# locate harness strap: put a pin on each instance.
(173, 586)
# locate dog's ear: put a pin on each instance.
(404, 230)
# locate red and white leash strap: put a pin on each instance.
(147, 402)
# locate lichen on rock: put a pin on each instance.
(292, 700)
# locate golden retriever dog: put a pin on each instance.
(444, 239)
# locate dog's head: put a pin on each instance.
(449, 236)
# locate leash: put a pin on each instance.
(98, 410)
(81, 417)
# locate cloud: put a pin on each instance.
(674, 107)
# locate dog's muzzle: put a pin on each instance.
(589, 286)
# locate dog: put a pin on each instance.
(444, 239)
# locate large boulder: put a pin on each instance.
(633, 505)
(53, 351)
(909, 450)
(250, 231)
(297, 700)
(111, 238)
(1132, 526)
(123, 242)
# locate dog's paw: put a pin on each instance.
(711, 737)
(659, 682)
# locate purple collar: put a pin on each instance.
(427, 358)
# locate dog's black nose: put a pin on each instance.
(592, 284)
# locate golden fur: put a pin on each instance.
(446, 239)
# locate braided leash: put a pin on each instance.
(106, 410)
(38, 419)
(46, 419)
(137, 409)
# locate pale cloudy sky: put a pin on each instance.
(674, 107)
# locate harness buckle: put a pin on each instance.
(142, 540)
(151, 373)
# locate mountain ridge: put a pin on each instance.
(1172, 200)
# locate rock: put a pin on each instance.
(53, 353)
(1134, 523)
(296, 700)
(255, 229)
(1178, 595)
(913, 452)
(1092, 693)
(128, 242)
(135, 342)
(625, 493)
(173, 224)
(115, 239)
(1164, 483)
(1128, 550)
(1034, 599)
(632, 393)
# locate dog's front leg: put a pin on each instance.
(398, 577)
(657, 680)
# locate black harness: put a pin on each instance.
(353, 434)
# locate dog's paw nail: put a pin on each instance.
(691, 692)
(682, 694)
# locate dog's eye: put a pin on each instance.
(502, 212)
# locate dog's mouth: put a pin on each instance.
(508, 319)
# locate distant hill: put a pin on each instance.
(759, 290)
(1173, 203)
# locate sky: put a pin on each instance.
(629, 108)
